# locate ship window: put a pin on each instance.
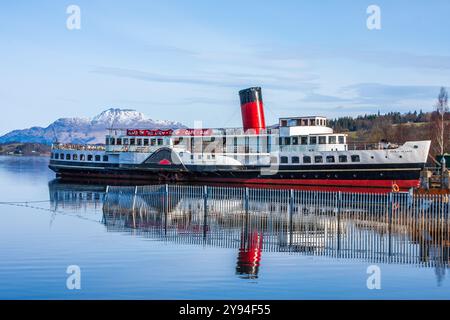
(105, 158)
(67, 156)
(318, 159)
(75, 157)
(82, 157)
(56, 155)
(332, 139)
(295, 160)
(284, 123)
(280, 141)
(306, 159)
(89, 157)
(97, 158)
(145, 142)
(341, 139)
(61, 156)
(322, 140)
(153, 142)
(132, 142)
(287, 141)
(304, 140)
(192, 157)
(160, 142)
(125, 141)
(119, 141)
(295, 141)
(139, 142)
(342, 158)
(284, 160)
(355, 158)
(330, 159)
(112, 141)
(312, 122)
(313, 140)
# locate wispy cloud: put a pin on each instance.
(376, 93)
(229, 80)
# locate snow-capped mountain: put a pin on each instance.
(88, 130)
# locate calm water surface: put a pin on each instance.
(148, 249)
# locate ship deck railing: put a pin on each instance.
(78, 147)
(372, 146)
(213, 131)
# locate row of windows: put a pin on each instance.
(303, 122)
(135, 142)
(312, 140)
(294, 160)
(320, 159)
(81, 157)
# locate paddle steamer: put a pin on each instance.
(299, 151)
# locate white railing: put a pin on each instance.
(78, 147)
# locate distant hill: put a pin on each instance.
(87, 130)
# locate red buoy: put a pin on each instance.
(252, 109)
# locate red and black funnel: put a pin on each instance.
(252, 109)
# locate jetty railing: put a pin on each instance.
(393, 227)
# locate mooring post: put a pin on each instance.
(338, 214)
(390, 213)
(246, 200)
(166, 206)
(134, 198)
(134, 206)
(106, 193)
(290, 213)
(205, 210)
(166, 198)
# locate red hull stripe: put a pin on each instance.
(403, 184)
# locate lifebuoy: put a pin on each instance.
(395, 188)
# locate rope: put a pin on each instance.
(25, 204)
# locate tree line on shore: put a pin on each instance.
(400, 127)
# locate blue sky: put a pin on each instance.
(186, 60)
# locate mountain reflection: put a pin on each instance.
(363, 227)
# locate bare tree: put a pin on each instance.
(438, 120)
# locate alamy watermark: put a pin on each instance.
(73, 281)
(373, 21)
(374, 280)
(73, 21)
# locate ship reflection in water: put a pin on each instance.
(377, 228)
